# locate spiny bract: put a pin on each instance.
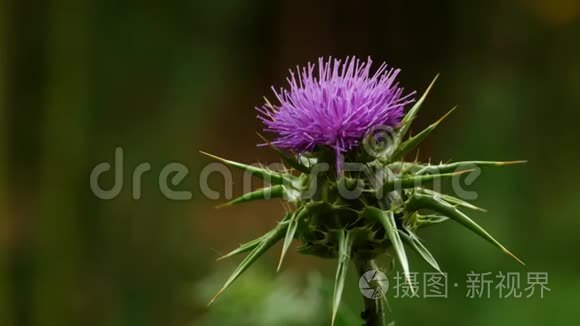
(352, 196)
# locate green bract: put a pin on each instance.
(377, 204)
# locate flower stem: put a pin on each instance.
(375, 310)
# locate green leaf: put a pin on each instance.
(466, 165)
(345, 242)
(290, 232)
(411, 239)
(265, 174)
(277, 191)
(418, 201)
(452, 200)
(414, 220)
(297, 217)
(414, 141)
(288, 159)
(430, 219)
(387, 219)
(413, 181)
(410, 116)
(244, 247)
(266, 243)
(404, 166)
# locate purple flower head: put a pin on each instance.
(334, 104)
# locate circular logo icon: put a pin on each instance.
(379, 140)
(373, 284)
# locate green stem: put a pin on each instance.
(375, 311)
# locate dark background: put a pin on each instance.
(165, 79)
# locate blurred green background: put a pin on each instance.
(164, 79)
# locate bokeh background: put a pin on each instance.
(164, 79)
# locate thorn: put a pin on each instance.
(514, 257)
(216, 296)
(461, 172)
(417, 155)
(220, 206)
(280, 262)
(263, 138)
(212, 156)
(221, 257)
(408, 279)
(428, 89)
(445, 116)
(282, 255)
(434, 79)
(512, 162)
(217, 252)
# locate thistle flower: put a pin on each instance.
(391, 202)
(335, 106)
